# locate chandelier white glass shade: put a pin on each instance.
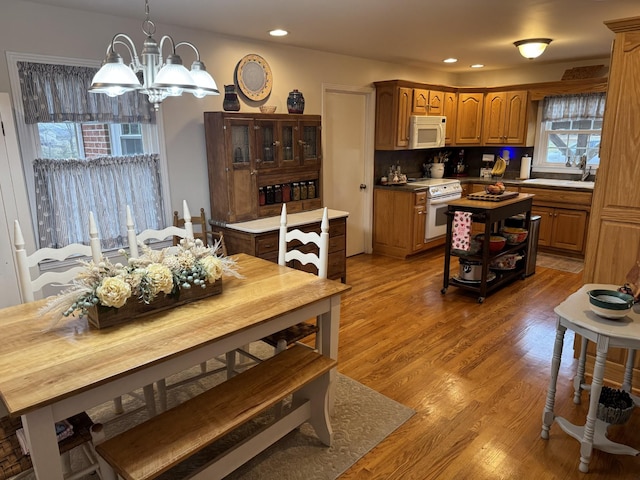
(533, 47)
(151, 75)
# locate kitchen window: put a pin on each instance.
(85, 152)
(569, 133)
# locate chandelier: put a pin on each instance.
(151, 75)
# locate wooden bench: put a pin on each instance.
(155, 446)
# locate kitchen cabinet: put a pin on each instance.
(449, 110)
(491, 215)
(249, 151)
(614, 228)
(399, 221)
(561, 228)
(469, 119)
(262, 240)
(564, 218)
(393, 111)
(427, 102)
(505, 118)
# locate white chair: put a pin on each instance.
(297, 239)
(17, 465)
(159, 235)
(32, 285)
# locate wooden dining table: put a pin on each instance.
(49, 375)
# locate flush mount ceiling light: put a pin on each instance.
(533, 47)
(151, 76)
(450, 60)
(278, 32)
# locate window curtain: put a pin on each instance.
(67, 190)
(573, 107)
(60, 93)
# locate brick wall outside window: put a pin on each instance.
(96, 140)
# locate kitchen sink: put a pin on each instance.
(557, 182)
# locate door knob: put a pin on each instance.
(362, 186)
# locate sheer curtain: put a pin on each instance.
(573, 107)
(67, 189)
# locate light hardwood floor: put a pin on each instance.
(476, 375)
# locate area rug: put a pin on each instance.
(362, 418)
(558, 262)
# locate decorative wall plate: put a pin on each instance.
(253, 77)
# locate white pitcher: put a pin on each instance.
(437, 170)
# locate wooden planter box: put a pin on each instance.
(102, 317)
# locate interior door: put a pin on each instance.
(347, 169)
(13, 204)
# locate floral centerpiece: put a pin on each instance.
(155, 280)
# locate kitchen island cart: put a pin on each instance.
(492, 214)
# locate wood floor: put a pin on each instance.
(476, 375)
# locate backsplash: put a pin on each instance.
(410, 161)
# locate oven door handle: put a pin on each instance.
(443, 200)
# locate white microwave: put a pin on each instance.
(427, 131)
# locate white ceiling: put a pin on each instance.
(409, 32)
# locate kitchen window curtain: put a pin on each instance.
(66, 190)
(573, 107)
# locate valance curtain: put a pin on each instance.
(67, 190)
(574, 107)
(60, 93)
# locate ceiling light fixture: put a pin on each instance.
(450, 60)
(151, 76)
(533, 47)
(278, 32)
(477, 65)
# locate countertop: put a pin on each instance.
(271, 224)
(575, 186)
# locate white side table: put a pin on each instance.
(574, 313)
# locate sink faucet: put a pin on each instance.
(586, 170)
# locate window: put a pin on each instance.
(85, 152)
(569, 133)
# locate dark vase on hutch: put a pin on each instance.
(231, 103)
(295, 102)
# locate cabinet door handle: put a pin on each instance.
(276, 143)
(362, 186)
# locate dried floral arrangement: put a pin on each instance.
(188, 265)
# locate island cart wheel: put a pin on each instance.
(480, 299)
(444, 290)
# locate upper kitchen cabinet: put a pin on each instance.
(393, 109)
(427, 102)
(450, 107)
(505, 118)
(255, 161)
(469, 118)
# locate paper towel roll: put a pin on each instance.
(525, 166)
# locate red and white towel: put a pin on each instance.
(461, 238)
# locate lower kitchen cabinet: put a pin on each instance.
(564, 219)
(260, 238)
(561, 228)
(399, 221)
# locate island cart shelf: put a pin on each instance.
(492, 215)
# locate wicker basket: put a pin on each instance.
(615, 406)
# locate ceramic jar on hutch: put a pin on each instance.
(295, 102)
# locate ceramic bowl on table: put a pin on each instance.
(267, 108)
(610, 303)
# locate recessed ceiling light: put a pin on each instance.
(450, 60)
(278, 32)
(477, 65)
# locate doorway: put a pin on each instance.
(348, 121)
